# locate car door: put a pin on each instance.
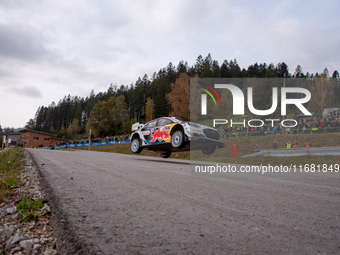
(161, 131)
(146, 130)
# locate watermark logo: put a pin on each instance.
(239, 99)
(265, 98)
(204, 96)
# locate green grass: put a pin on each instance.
(27, 204)
(30, 208)
(11, 164)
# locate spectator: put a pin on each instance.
(322, 123)
(234, 146)
(289, 145)
(308, 144)
(275, 145)
(316, 124)
(295, 144)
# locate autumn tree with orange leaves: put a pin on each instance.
(149, 110)
(179, 97)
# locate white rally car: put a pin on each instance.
(169, 134)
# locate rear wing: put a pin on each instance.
(136, 126)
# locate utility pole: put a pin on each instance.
(284, 84)
(2, 145)
(90, 140)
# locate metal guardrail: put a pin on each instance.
(323, 130)
(87, 144)
(331, 151)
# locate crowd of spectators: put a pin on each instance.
(321, 124)
(107, 139)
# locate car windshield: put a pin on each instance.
(150, 124)
(178, 119)
(164, 121)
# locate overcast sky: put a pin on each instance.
(49, 49)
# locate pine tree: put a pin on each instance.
(298, 72)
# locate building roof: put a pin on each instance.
(10, 132)
(42, 133)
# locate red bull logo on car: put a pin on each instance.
(160, 134)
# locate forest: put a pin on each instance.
(165, 93)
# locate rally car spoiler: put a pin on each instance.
(136, 126)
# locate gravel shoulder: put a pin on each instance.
(32, 237)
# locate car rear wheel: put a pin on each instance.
(135, 145)
(165, 154)
(209, 150)
(177, 139)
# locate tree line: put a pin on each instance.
(165, 93)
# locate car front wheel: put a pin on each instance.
(135, 146)
(177, 139)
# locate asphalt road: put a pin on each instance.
(107, 203)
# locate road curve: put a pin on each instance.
(105, 203)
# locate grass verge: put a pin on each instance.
(30, 208)
(11, 164)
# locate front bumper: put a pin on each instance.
(197, 143)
